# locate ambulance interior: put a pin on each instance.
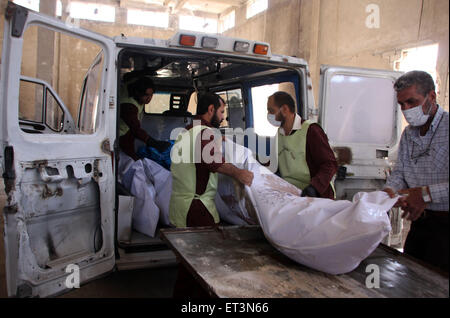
(243, 84)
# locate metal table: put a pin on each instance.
(238, 262)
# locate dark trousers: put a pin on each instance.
(428, 239)
(126, 144)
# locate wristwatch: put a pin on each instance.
(425, 195)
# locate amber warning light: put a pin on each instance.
(261, 49)
(188, 40)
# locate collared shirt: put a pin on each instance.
(320, 158)
(297, 125)
(423, 161)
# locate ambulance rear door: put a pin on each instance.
(59, 214)
(358, 111)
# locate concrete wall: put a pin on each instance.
(320, 31)
(339, 35)
(334, 32)
(278, 25)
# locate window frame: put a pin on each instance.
(158, 93)
(44, 87)
(86, 6)
(226, 90)
(150, 12)
(249, 4)
(47, 90)
(99, 59)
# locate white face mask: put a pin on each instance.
(271, 119)
(415, 116)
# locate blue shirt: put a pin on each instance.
(423, 161)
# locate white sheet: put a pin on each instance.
(138, 179)
(327, 235)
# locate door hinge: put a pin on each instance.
(9, 172)
(19, 17)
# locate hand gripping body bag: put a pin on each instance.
(326, 235)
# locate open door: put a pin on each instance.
(59, 214)
(358, 110)
(55, 117)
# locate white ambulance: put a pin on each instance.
(60, 172)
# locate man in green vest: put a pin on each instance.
(194, 178)
(305, 158)
(134, 96)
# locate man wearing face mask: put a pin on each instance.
(305, 158)
(421, 172)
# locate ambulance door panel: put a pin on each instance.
(59, 214)
(359, 113)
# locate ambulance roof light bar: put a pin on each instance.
(219, 43)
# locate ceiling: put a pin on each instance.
(198, 6)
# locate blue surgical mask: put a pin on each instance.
(271, 119)
(415, 116)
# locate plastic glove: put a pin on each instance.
(310, 191)
(159, 145)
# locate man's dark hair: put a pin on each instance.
(206, 99)
(283, 98)
(137, 88)
(423, 81)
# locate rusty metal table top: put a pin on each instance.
(238, 262)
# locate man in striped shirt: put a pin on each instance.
(421, 172)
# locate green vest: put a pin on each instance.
(184, 179)
(292, 157)
(123, 127)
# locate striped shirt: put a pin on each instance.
(423, 161)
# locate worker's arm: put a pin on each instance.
(320, 158)
(242, 175)
(439, 192)
(396, 181)
(215, 162)
(129, 114)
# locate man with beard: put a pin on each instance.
(305, 158)
(194, 183)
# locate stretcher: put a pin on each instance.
(238, 262)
